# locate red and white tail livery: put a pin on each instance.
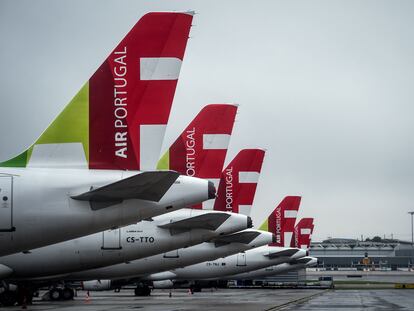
(303, 233)
(136, 86)
(201, 149)
(281, 221)
(118, 118)
(238, 182)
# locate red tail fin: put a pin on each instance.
(132, 92)
(238, 182)
(201, 149)
(117, 120)
(302, 234)
(282, 221)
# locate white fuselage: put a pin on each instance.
(39, 209)
(235, 264)
(274, 270)
(171, 260)
(111, 247)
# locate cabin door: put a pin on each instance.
(111, 239)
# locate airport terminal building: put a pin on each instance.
(349, 253)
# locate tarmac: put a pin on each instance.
(236, 300)
(366, 276)
(355, 300)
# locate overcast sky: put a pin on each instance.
(326, 86)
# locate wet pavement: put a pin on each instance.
(236, 300)
(365, 276)
(342, 300)
(217, 300)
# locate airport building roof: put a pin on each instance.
(342, 252)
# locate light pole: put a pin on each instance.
(412, 230)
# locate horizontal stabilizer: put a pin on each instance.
(303, 261)
(210, 221)
(283, 253)
(244, 237)
(149, 186)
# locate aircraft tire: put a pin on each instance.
(142, 291)
(8, 298)
(68, 293)
(55, 294)
(196, 288)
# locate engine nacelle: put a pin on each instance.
(163, 284)
(97, 285)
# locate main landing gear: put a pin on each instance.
(142, 290)
(65, 293)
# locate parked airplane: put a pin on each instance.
(82, 175)
(280, 222)
(117, 275)
(182, 228)
(140, 270)
(301, 237)
(301, 263)
(163, 233)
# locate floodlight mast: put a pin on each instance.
(412, 229)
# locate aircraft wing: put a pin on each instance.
(283, 253)
(210, 221)
(239, 237)
(149, 186)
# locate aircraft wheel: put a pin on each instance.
(8, 298)
(142, 291)
(55, 294)
(68, 293)
(138, 291)
(196, 288)
(147, 291)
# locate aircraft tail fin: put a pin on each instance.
(281, 221)
(118, 118)
(238, 182)
(302, 233)
(201, 149)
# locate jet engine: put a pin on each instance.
(163, 284)
(97, 285)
